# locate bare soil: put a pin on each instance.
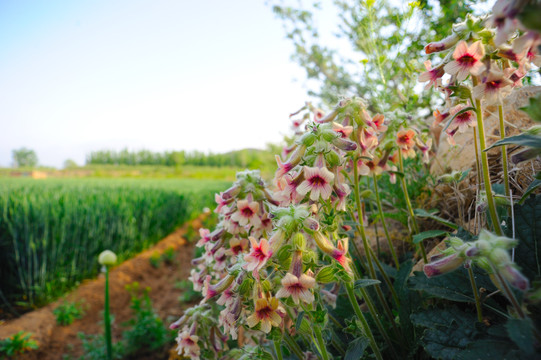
(58, 342)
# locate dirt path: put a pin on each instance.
(55, 341)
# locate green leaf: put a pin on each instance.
(533, 185)
(299, 321)
(521, 140)
(489, 349)
(431, 215)
(365, 282)
(448, 331)
(521, 332)
(528, 232)
(463, 92)
(356, 348)
(453, 286)
(428, 235)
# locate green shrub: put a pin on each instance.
(17, 344)
(67, 312)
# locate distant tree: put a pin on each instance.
(24, 157)
(70, 164)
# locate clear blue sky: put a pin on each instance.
(77, 76)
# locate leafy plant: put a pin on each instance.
(17, 344)
(147, 329)
(67, 312)
(95, 347)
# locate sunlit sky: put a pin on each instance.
(78, 76)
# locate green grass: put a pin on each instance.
(52, 230)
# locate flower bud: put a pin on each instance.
(299, 241)
(107, 258)
(484, 246)
(266, 285)
(311, 224)
(455, 242)
(442, 45)
(499, 257)
(246, 286)
(332, 158)
(366, 194)
(344, 144)
(472, 251)
(515, 277)
(231, 192)
(325, 275)
(442, 266)
(446, 178)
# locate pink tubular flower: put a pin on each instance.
(259, 255)
(367, 140)
(287, 186)
(425, 148)
(237, 246)
(222, 204)
(442, 45)
(337, 253)
(378, 123)
(432, 75)
(318, 181)
(205, 237)
(187, 345)
(344, 131)
(210, 291)
(297, 288)
(247, 213)
(467, 60)
(464, 120)
(293, 161)
(406, 142)
(494, 88)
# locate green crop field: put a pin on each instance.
(52, 230)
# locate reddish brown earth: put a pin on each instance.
(57, 341)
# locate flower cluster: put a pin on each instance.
(489, 251)
(486, 58)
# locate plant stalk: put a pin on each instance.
(484, 163)
(504, 153)
(293, 346)
(385, 230)
(107, 317)
(364, 323)
(278, 350)
(476, 295)
(321, 344)
(408, 204)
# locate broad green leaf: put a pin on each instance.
(356, 348)
(490, 349)
(431, 215)
(428, 235)
(533, 185)
(521, 140)
(528, 232)
(366, 282)
(448, 331)
(453, 286)
(521, 332)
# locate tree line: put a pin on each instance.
(240, 158)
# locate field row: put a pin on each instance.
(51, 231)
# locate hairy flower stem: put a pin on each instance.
(504, 153)
(373, 311)
(278, 350)
(385, 230)
(509, 294)
(360, 228)
(476, 295)
(408, 203)
(320, 343)
(364, 323)
(484, 163)
(107, 317)
(387, 280)
(293, 346)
